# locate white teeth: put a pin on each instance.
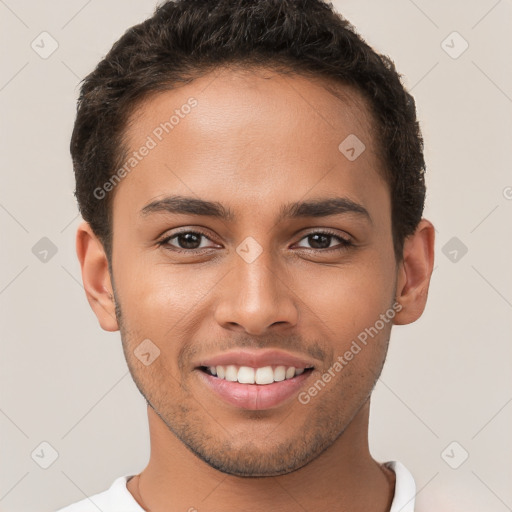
(246, 375)
(261, 376)
(264, 375)
(231, 373)
(280, 373)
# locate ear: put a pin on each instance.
(96, 277)
(414, 273)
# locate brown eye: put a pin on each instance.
(322, 241)
(186, 241)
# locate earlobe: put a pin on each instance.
(96, 277)
(414, 273)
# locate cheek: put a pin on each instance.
(153, 294)
(350, 304)
(348, 299)
(163, 303)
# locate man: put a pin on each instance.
(251, 177)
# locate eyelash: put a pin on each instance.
(344, 243)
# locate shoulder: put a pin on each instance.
(115, 499)
(405, 488)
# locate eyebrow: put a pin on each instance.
(313, 208)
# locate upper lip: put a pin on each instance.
(256, 359)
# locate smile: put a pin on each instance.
(247, 375)
(254, 379)
(250, 388)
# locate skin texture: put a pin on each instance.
(256, 141)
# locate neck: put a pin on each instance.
(344, 477)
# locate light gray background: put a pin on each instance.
(64, 380)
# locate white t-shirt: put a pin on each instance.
(119, 499)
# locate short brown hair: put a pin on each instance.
(185, 39)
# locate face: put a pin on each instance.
(244, 237)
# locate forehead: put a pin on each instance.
(255, 95)
(253, 131)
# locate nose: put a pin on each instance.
(256, 297)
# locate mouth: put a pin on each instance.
(261, 376)
(254, 379)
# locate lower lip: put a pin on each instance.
(254, 397)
